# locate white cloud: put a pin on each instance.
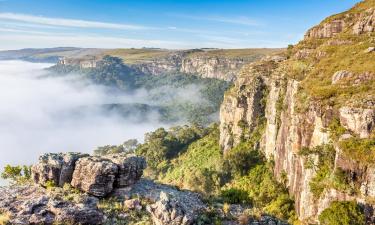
(62, 22)
(239, 20)
(16, 41)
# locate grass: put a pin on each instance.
(133, 56)
(250, 53)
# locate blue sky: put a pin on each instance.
(164, 23)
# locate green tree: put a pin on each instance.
(16, 174)
(342, 213)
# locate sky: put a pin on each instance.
(168, 24)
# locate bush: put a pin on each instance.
(343, 213)
(235, 196)
(361, 150)
(16, 174)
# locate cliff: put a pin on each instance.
(319, 111)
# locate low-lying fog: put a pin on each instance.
(43, 114)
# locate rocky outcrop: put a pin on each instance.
(95, 176)
(365, 23)
(169, 211)
(130, 169)
(218, 67)
(326, 30)
(212, 67)
(55, 167)
(100, 175)
(358, 120)
(34, 205)
(287, 131)
(339, 75)
(170, 206)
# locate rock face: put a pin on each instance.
(358, 120)
(326, 30)
(33, 205)
(205, 66)
(365, 23)
(100, 175)
(95, 175)
(55, 167)
(130, 169)
(287, 131)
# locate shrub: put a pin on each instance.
(336, 129)
(361, 150)
(235, 196)
(16, 174)
(343, 213)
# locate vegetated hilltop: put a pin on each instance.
(211, 63)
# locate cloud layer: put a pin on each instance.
(40, 115)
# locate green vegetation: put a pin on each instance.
(17, 174)
(321, 159)
(199, 168)
(360, 150)
(263, 192)
(343, 213)
(336, 129)
(128, 146)
(117, 213)
(161, 146)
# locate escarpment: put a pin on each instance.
(318, 127)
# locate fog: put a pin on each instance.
(47, 114)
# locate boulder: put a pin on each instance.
(339, 75)
(171, 206)
(55, 167)
(95, 175)
(34, 205)
(130, 168)
(169, 211)
(370, 49)
(133, 204)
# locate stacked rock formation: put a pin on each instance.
(91, 174)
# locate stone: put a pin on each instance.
(133, 204)
(34, 205)
(130, 168)
(55, 167)
(95, 175)
(370, 49)
(188, 205)
(365, 22)
(168, 211)
(339, 75)
(361, 121)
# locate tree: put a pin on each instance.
(16, 174)
(343, 213)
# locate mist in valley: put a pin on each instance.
(40, 113)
